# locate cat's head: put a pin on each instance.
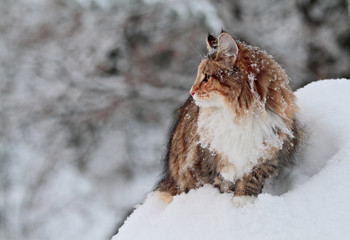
(222, 75)
(241, 78)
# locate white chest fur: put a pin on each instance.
(241, 144)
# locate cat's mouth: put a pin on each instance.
(201, 100)
(207, 100)
(202, 97)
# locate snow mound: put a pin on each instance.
(314, 202)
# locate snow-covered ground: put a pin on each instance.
(311, 203)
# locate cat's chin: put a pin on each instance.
(208, 102)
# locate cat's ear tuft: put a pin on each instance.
(212, 42)
(228, 48)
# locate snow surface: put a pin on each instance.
(311, 203)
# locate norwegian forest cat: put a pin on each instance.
(238, 127)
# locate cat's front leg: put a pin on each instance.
(245, 194)
(250, 186)
(240, 201)
(165, 197)
(166, 189)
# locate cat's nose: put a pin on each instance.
(192, 91)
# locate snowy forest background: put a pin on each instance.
(88, 88)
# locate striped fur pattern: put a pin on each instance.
(238, 128)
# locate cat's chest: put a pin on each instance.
(240, 145)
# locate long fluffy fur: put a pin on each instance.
(249, 92)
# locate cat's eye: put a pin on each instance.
(206, 78)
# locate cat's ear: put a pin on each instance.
(228, 49)
(212, 42)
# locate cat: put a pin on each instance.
(237, 129)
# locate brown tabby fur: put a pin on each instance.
(188, 164)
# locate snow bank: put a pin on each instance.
(312, 203)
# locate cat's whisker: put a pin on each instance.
(191, 46)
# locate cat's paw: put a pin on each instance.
(240, 201)
(163, 196)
